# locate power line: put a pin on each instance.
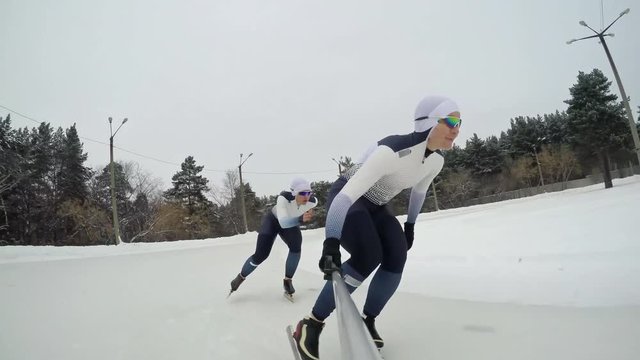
(289, 173)
(169, 162)
(24, 116)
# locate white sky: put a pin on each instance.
(294, 82)
(475, 286)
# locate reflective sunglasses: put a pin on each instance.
(304, 193)
(451, 121)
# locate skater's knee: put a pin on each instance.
(394, 264)
(258, 258)
(364, 266)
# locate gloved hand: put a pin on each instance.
(330, 259)
(408, 234)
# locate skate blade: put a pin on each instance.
(292, 342)
(288, 296)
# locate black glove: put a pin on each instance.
(330, 259)
(408, 234)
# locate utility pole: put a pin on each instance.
(535, 152)
(244, 210)
(435, 196)
(114, 204)
(601, 35)
(339, 166)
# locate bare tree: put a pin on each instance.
(151, 221)
(524, 172)
(558, 163)
(227, 199)
(456, 188)
(142, 181)
(89, 223)
(5, 185)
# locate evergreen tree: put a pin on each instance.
(456, 158)
(71, 188)
(504, 142)
(596, 121)
(101, 196)
(526, 135)
(483, 157)
(73, 177)
(638, 121)
(189, 187)
(6, 138)
(40, 167)
(320, 191)
(188, 193)
(101, 187)
(9, 170)
(556, 128)
(16, 200)
(345, 163)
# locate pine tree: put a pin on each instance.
(483, 157)
(16, 199)
(40, 167)
(188, 193)
(455, 158)
(527, 134)
(320, 192)
(73, 177)
(9, 169)
(556, 128)
(596, 121)
(71, 188)
(101, 188)
(189, 187)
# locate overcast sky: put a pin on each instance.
(294, 82)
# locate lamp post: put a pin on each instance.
(435, 194)
(244, 211)
(601, 35)
(114, 204)
(535, 152)
(339, 166)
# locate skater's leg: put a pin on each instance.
(360, 239)
(292, 237)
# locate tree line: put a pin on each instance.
(48, 196)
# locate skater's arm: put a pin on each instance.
(419, 191)
(376, 166)
(285, 219)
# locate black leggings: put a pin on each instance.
(269, 229)
(372, 235)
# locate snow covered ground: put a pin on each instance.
(556, 276)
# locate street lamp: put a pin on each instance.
(244, 211)
(601, 35)
(339, 166)
(535, 153)
(114, 205)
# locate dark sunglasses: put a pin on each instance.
(304, 193)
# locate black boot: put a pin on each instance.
(370, 321)
(288, 287)
(235, 283)
(307, 335)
